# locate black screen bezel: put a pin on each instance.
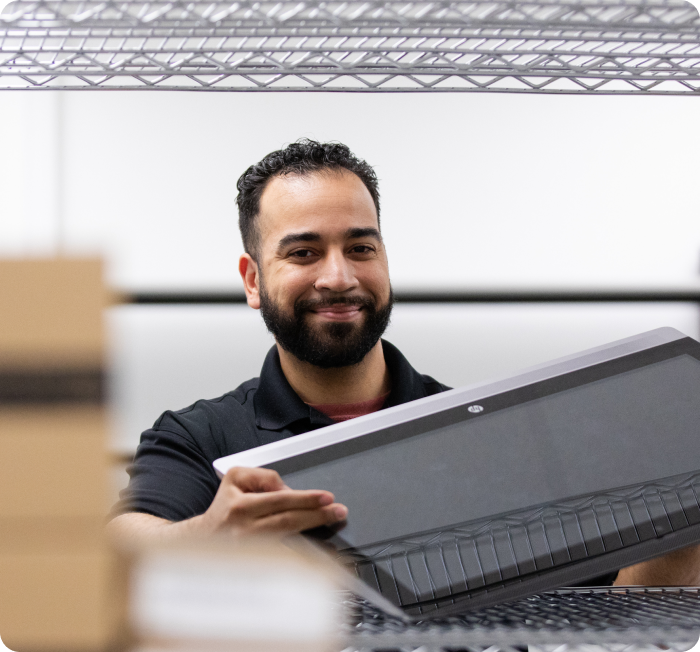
(494, 403)
(491, 404)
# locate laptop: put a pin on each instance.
(500, 490)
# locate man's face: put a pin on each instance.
(323, 277)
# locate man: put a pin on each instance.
(316, 267)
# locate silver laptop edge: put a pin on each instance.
(305, 443)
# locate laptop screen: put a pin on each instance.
(456, 501)
(618, 430)
(487, 493)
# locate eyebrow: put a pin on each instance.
(313, 236)
(364, 233)
(293, 238)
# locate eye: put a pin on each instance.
(301, 253)
(362, 249)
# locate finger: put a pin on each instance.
(301, 519)
(260, 505)
(254, 480)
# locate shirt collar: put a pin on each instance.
(277, 405)
(406, 383)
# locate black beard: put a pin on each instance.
(330, 345)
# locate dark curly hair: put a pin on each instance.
(302, 157)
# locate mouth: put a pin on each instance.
(338, 312)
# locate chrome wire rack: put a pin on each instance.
(562, 46)
(616, 619)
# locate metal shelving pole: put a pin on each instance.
(582, 46)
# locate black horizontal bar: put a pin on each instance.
(51, 386)
(471, 296)
(546, 296)
(184, 297)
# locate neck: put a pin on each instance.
(364, 381)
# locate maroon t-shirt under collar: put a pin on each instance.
(344, 411)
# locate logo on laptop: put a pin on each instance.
(475, 409)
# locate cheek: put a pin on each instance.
(292, 283)
(376, 280)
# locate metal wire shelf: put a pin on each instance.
(612, 618)
(574, 46)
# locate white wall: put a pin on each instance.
(167, 357)
(478, 190)
(31, 173)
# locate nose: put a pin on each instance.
(335, 273)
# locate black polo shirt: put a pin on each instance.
(172, 475)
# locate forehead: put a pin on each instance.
(322, 201)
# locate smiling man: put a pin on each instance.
(322, 284)
(316, 267)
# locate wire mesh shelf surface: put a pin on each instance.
(609, 617)
(585, 46)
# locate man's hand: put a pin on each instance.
(255, 501)
(248, 501)
(679, 568)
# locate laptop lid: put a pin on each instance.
(495, 491)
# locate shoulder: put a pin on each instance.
(409, 385)
(212, 424)
(432, 386)
(232, 403)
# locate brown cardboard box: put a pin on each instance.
(51, 313)
(60, 586)
(66, 601)
(26, 535)
(53, 461)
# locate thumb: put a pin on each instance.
(251, 480)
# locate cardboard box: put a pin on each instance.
(61, 588)
(53, 461)
(71, 602)
(52, 313)
(26, 535)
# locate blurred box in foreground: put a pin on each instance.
(58, 580)
(222, 594)
(51, 314)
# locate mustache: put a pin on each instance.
(307, 305)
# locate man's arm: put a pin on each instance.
(679, 568)
(248, 501)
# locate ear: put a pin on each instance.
(248, 269)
